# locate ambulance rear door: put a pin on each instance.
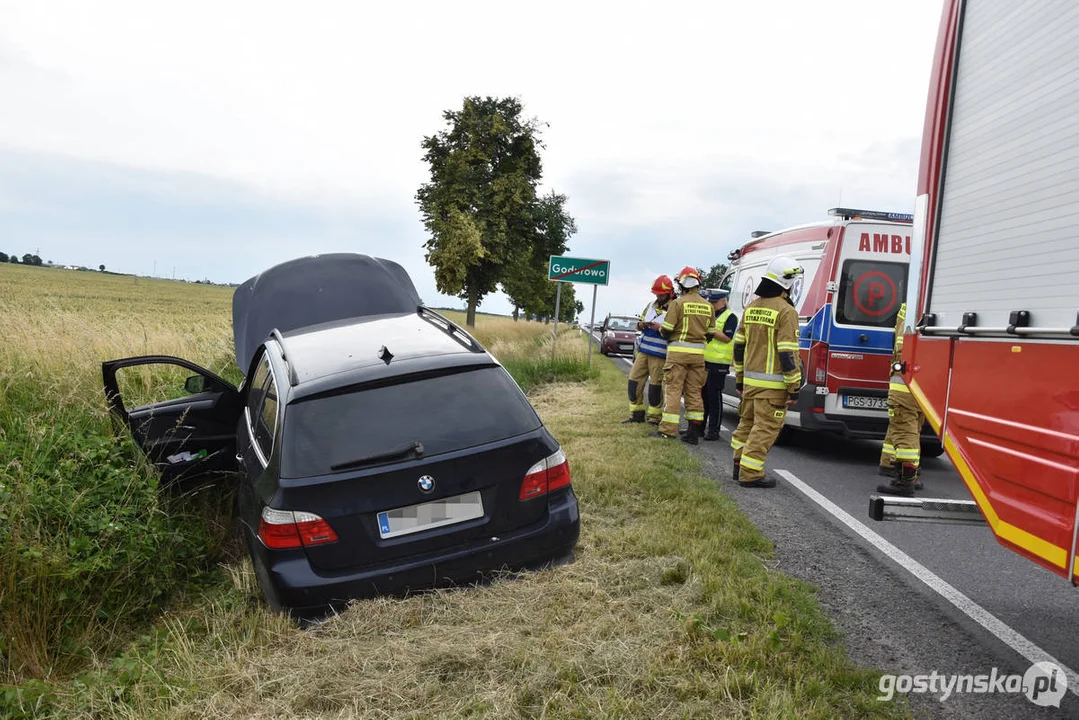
(869, 286)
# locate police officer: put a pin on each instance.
(686, 328)
(651, 356)
(766, 370)
(718, 354)
(901, 455)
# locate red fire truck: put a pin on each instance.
(991, 349)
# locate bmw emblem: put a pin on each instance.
(426, 483)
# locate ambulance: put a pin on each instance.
(847, 300)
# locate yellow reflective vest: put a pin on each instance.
(718, 351)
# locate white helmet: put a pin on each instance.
(782, 270)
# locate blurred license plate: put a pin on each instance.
(864, 402)
(626, 347)
(426, 516)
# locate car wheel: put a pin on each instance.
(932, 448)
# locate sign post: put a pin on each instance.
(578, 270)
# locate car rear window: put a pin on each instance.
(445, 413)
(870, 293)
(622, 323)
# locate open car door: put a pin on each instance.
(187, 436)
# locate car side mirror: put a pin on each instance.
(195, 384)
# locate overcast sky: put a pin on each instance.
(216, 139)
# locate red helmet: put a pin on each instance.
(689, 272)
(662, 285)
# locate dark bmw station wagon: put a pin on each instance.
(380, 447)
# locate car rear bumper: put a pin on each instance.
(810, 414)
(290, 582)
(614, 347)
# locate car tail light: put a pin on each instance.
(283, 529)
(548, 474)
(818, 364)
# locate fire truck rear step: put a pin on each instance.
(928, 510)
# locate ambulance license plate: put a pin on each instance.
(865, 402)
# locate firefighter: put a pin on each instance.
(766, 370)
(686, 328)
(901, 455)
(651, 356)
(718, 354)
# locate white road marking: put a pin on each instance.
(971, 609)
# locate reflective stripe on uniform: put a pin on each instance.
(695, 415)
(636, 408)
(770, 384)
(888, 449)
(909, 455)
(752, 463)
(764, 380)
(898, 385)
(787, 347)
(669, 418)
(737, 444)
(679, 346)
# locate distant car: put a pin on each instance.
(618, 334)
(380, 448)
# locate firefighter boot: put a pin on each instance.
(637, 416)
(737, 470)
(903, 482)
(692, 433)
(765, 481)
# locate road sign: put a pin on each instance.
(579, 270)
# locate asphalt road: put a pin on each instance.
(911, 598)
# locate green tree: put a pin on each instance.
(479, 206)
(101, 268)
(525, 279)
(3, 257)
(13, 259)
(714, 276)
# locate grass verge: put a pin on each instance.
(669, 611)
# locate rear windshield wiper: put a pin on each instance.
(398, 453)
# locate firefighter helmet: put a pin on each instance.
(782, 270)
(689, 277)
(662, 285)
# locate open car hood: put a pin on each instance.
(316, 289)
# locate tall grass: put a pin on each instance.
(88, 546)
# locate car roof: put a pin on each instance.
(345, 352)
